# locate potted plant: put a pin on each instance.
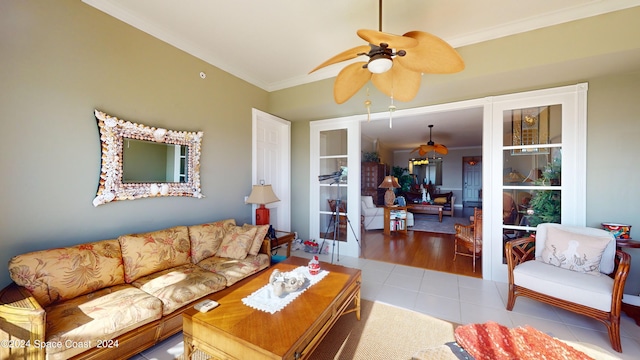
(371, 156)
(545, 204)
(404, 179)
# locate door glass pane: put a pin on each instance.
(333, 142)
(333, 181)
(532, 169)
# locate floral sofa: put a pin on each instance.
(113, 298)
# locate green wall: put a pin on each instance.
(565, 54)
(60, 60)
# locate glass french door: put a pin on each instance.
(539, 165)
(335, 186)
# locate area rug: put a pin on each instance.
(430, 223)
(383, 332)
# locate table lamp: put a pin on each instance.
(262, 194)
(389, 183)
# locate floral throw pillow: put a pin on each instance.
(206, 238)
(574, 251)
(236, 243)
(144, 254)
(261, 232)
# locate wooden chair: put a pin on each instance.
(470, 237)
(598, 297)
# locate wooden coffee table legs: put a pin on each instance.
(356, 306)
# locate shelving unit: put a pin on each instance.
(395, 219)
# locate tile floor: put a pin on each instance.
(460, 299)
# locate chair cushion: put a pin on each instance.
(577, 287)
(61, 274)
(101, 315)
(581, 249)
(206, 238)
(180, 286)
(236, 243)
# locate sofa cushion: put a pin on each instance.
(367, 202)
(60, 274)
(144, 254)
(236, 243)
(577, 287)
(441, 199)
(258, 239)
(206, 238)
(574, 251)
(179, 286)
(101, 315)
(235, 270)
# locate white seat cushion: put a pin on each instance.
(373, 212)
(577, 287)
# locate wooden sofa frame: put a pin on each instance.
(521, 250)
(23, 319)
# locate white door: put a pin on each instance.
(538, 162)
(272, 164)
(472, 182)
(335, 147)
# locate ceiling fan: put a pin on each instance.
(395, 64)
(431, 146)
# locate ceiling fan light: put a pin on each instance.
(380, 64)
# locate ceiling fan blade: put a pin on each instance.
(424, 149)
(440, 149)
(345, 55)
(349, 81)
(400, 82)
(397, 42)
(433, 55)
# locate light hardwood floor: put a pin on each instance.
(418, 249)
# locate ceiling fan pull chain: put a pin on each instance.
(367, 103)
(392, 108)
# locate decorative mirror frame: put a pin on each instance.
(112, 188)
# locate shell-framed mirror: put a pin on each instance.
(139, 161)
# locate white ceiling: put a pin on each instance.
(274, 44)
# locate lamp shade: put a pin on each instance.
(389, 182)
(262, 194)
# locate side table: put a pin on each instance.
(395, 219)
(627, 243)
(633, 311)
(282, 238)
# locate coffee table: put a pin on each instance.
(236, 331)
(432, 209)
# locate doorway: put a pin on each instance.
(271, 154)
(573, 144)
(472, 182)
